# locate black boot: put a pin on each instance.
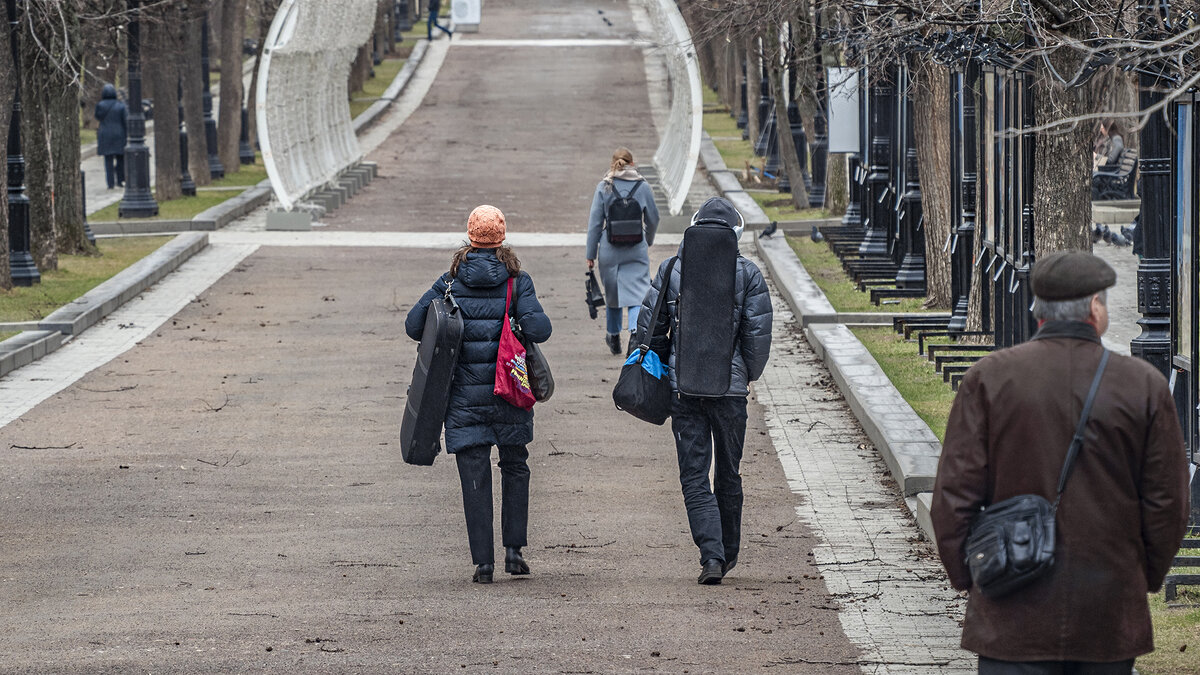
(613, 342)
(513, 562)
(710, 572)
(483, 573)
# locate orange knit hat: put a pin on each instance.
(485, 227)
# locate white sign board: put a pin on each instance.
(843, 109)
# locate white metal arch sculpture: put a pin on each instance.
(304, 125)
(679, 148)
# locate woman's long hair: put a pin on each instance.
(504, 253)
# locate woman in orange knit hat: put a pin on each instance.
(477, 419)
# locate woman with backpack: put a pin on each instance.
(621, 229)
(483, 275)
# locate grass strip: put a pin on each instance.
(75, 276)
(1176, 635)
(826, 270)
(373, 88)
(186, 208)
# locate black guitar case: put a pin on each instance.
(707, 333)
(429, 393)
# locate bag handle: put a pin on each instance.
(1077, 440)
(644, 344)
(508, 298)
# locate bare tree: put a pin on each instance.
(162, 37)
(191, 73)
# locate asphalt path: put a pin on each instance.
(228, 495)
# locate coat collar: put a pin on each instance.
(1078, 330)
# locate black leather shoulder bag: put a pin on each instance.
(1012, 542)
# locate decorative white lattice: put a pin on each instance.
(304, 124)
(679, 147)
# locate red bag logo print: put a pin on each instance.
(512, 376)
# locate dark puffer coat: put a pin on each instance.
(752, 316)
(111, 113)
(476, 416)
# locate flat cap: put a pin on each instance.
(1070, 275)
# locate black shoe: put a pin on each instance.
(513, 562)
(710, 572)
(728, 566)
(613, 342)
(483, 573)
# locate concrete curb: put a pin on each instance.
(905, 442)
(26, 347)
(94, 305)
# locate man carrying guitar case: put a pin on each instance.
(717, 332)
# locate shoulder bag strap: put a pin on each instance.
(1077, 440)
(658, 306)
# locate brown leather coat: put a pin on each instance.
(1123, 512)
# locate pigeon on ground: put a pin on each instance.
(816, 235)
(769, 230)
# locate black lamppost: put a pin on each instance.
(24, 271)
(403, 18)
(853, 217)
(964, 85)
(245, 152)
(882, 90)
(137, 202)
(186, 184)
(911, 274)
(1158, 232)
(743, 118)
(765, 105)
(215, 168)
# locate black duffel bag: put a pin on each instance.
(644, 387)
(1012, 542)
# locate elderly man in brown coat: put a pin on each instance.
(1123, 511)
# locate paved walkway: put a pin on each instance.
(209, 480)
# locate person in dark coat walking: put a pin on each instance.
(110, 137)
(477, 419)
(435, 7)
(1125, 506)
(714, 429)
(624, 268)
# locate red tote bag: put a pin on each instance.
(512, 377)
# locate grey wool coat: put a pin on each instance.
(624, 270)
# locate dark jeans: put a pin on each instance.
(433, 21)
(994, 667)
(711, 430)
(475, 472)
(114, 170)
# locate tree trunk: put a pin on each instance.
(162, 36)
(229, 124)
(753, 77)
(64, 39)
(8, 86)
(787, 148)
(1062, 198)
(39, 163)
(931, 97)
(193, 91)
(837, 184)
(264, 26)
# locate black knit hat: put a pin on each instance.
(1070, 275)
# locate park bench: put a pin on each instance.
(1117, 182)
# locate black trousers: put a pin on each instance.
(711, 431)
(475, 472)
(995, 667)
(114, 170)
